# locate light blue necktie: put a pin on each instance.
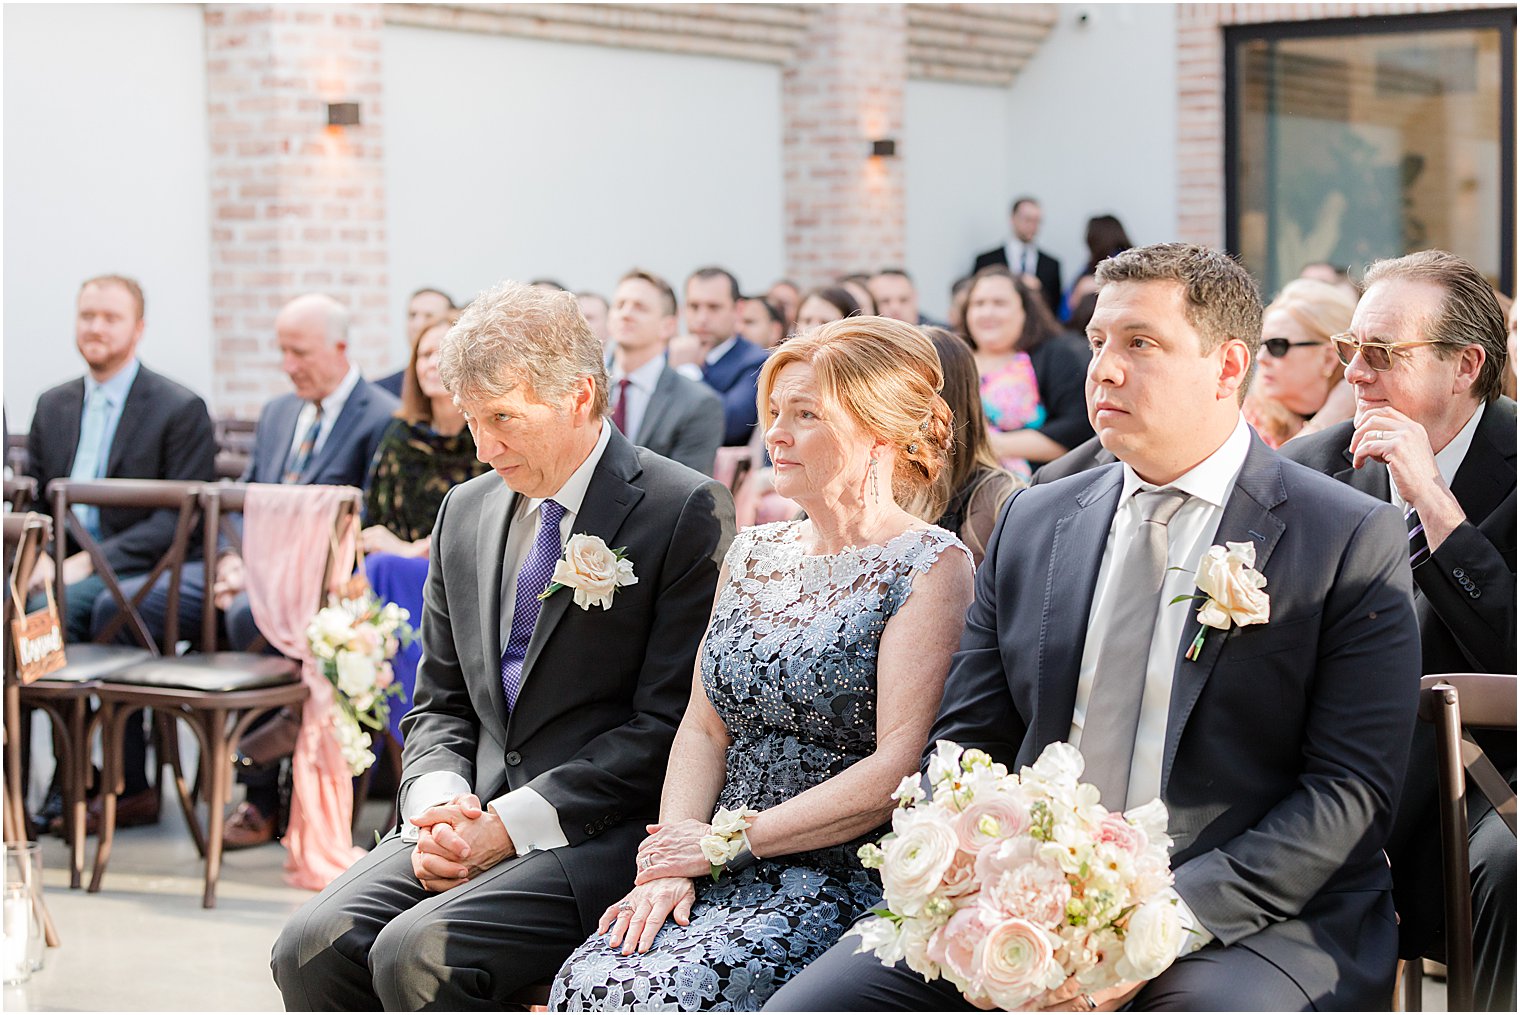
(90, 457)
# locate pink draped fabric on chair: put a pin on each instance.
(287, 538)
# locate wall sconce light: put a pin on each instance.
(343, 114)
(884, 148)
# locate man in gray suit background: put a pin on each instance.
(536, 746)
(1278, 746)
(652, 404)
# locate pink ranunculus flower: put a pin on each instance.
(990, 819)
(1017, 964)
(954, 946)
(960, 877)
(1114, 830)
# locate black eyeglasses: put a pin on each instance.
(1277, 348)
(1377, 355)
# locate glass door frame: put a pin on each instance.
(1500, 18)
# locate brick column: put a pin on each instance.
(296, 206)
(844, 211)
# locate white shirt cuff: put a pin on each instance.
(1195, 934)
(530, 820)
(427, 790)
(689, 370)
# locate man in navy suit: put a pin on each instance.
(714, 352)
(325, 432)
(1278, 748)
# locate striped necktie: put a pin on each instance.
(1419, 548)
(302, 455)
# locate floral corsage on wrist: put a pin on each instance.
(726, 846)
(1232, 592)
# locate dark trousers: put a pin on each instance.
(374, 939)
(1222, 979)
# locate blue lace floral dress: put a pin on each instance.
(790, 666)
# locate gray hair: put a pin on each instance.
(335, 315)
(1469, 312)
(514, 334)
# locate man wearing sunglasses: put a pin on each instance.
(1433, 435)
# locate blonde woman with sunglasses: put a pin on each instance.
(1296, 367)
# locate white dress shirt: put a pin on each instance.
(332, 408)
(1188, 536)
(641, 385)
(1023, 258)
(1448, 460)
(531, 821)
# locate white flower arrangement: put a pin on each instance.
(1232, 592)
(1007, 885)
(353, 642)
(727, 838)
(592, 570)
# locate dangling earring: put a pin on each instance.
(871, 480)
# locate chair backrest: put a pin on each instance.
(20, 491)
(179, 496)
(26, 534)
(221, 501)
(17, 455)
(731, 466)
(1453, 701)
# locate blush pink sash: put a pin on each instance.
(287, 539)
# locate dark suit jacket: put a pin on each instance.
(736, 378)
(1047, 270)
(603, 691)
(1465, 601)
(683, 422)
(1088, 455)
(392, 382)
(1285, 742)
(345, 456)
(164, 433)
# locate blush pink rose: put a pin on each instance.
(954, 946)
(1116, 831)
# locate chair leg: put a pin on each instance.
(113, 726)
(186, 790)
(218, 775)
(1410, 986)
(1452, 797)
(76, 758)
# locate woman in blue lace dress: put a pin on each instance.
(817, 682)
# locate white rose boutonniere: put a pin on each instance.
(1232, 591)
(592, 570)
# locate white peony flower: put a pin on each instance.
(1152, 939)
(356, 674)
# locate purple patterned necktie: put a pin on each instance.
(532, 578)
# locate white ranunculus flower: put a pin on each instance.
(916, 858)
(1152, 939)
(592, 571)
(356, 674)
(1227, 576)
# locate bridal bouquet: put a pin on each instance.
(354, 641)
(1007, 885)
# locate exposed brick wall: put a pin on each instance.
(844, 211)
(295, 206)
(1200, 96)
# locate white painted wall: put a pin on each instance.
(955, 167)
(515, 158)
(105, 171)
(1092, 127)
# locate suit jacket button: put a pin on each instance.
(1457, 572)
(1475, 593)
(590, 829)
(513, 758)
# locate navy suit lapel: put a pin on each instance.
(1371, 478)
(353, 409)
(1248, 518)
(659, 405)
(133, 409)
(269, 463)
(490, 551)
(609, 498)
(1076, 554)
(1487, 474)
(72, 405)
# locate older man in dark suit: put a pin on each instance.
(120, 421)
(1433, 435)
(1277, 747)
(549, 689)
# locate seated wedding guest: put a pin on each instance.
(652, 404)
(820, 306)
(785, 295)
(1297, 367)
(535, 750)
(819, 674)
(895, 296)
(426, 307)
(1277, 751)
(325, 432)
(1105, 237)
(720, 357)
(594, 309)
(977, 484)
(858, 286)
(1434, 437)
(958, 293)
(120, 420)
(1331, 274)
(1031, 381)
(761, 322)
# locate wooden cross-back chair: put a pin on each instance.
(217, 694)
(20, 492)
(26, 536)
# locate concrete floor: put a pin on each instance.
(143, 943)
